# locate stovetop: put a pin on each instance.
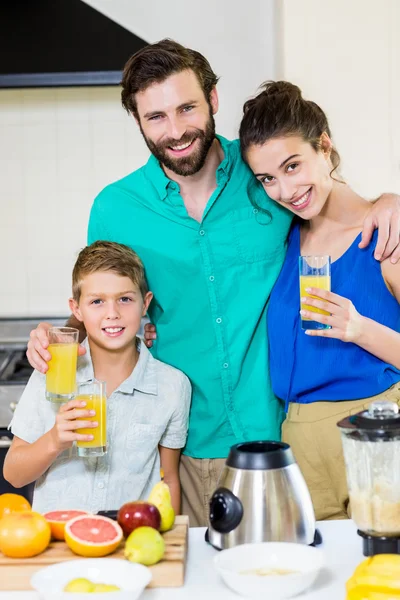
(15, 369)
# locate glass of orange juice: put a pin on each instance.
(315, 271)
(93, 392)
(61, 375)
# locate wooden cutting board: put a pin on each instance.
(15, 573)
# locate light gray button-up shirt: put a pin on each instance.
(150, 407)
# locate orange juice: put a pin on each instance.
(323, 282)
(99, 404)
(61, 376)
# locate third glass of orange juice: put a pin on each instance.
(93, 392)
(315, 271)
(61, 375)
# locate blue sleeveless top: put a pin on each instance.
(306, 369)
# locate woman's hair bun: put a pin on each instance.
(275, 88)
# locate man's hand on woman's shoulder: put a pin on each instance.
(384, 216)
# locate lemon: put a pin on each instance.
(79, 586)
(105, 587)
(145, 545)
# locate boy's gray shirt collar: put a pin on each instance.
(143, 377)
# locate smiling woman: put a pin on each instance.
(286, 141)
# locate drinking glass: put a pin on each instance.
(93, 392)
(61, 375)
(314, 271)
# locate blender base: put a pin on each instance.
(379, 545)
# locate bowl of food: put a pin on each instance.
(275, 570)
(91, 578)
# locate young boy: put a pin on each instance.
(147, 401)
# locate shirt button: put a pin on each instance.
(255, 210)
(100, 485)
(212, 277)
(201, 232)
(219, 320)
(225, 365)
(110, 406)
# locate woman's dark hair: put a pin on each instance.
(155, 62)
(280, 110)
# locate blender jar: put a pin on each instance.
(371, 447)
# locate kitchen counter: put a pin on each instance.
(341, 544)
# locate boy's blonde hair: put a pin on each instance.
(108, 256)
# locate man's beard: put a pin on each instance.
(187, 165)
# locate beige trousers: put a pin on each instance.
(311, 431)
(199, 479)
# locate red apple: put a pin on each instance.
(138, 514)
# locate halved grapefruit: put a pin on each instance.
(92, 535)
(57, 520)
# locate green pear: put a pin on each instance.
(160, 496)
(144, 545)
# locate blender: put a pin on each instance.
(371, 447)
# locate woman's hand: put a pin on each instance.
(346, 324)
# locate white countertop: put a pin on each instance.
(341, 544)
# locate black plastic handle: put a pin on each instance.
(226, 511)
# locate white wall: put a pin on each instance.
(59, 147)
(237, 37)
(346, 56)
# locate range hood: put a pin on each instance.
(52, 43)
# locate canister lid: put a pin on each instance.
(382, 415)
(260, 455)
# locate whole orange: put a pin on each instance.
(24, 534)
(10, 503)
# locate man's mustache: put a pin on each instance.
(187, 138)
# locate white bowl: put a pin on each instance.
(304, 560)
(132, 578)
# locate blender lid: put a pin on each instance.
(260, 455)
(381, 415)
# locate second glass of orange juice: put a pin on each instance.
(314, 271)
(93, 392)
(61, 375)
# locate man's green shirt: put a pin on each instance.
(211, 283)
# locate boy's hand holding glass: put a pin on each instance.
(69, 420)
(345, 323)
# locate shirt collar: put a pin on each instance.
(162, 183)
(143, 377)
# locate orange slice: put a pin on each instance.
(92, 535)
(57, 520)
(10, 503)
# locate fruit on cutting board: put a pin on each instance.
(92, 535)
(160, 496)
(24, 534)
(138, 514)
(82, 586)
(376, 578)
(10, 503)
(57, 520)
(145, 545)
